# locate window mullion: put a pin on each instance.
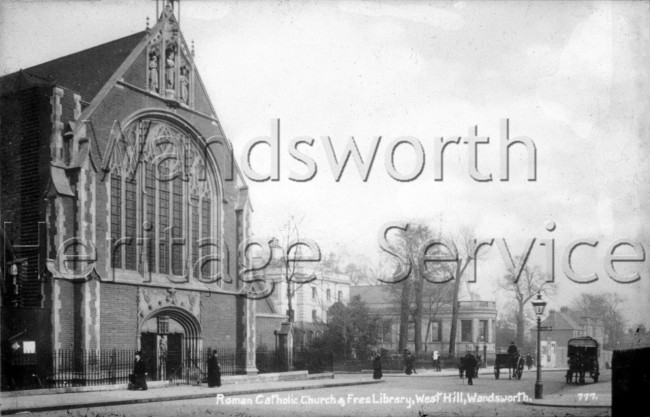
(156, 227)
(122, 220)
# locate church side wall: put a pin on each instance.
(266, 326)
(119, 316)
(218, 320)
(25, 126)
(66, 314)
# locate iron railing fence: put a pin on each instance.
(66, 368)
(77, 368)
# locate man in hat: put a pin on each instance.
(512, 349)
(139, 373)
(470, 367)
(436, 360)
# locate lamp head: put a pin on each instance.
(539, 305)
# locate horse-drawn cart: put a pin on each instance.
(514, 363)
(583, 357)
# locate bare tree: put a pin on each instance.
(411, 306)
(422, 293)
(530, 282)
(435, 296)
(466, 254)
(289, 256)
(606, 306)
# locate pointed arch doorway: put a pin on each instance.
(171, 340)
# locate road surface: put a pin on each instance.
(398, 396)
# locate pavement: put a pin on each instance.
(64, 401)
(583, 396)
(590, 395)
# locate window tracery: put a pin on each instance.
(164, 202)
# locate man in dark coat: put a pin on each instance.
(139, 380)
(376, 366)
(470, 367)
(214, 371)
(512, 349)
(409, 364)
(529, 361)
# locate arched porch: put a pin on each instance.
(171, 340)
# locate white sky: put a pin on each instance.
(572, 76)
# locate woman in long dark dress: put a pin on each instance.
(139, 380)
(214, 371)
(376, 365)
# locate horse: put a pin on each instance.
(578, 366)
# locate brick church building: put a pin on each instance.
(122, 201)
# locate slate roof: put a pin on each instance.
(84, 72)
(371, 294)
(563, 320)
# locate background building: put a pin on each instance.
(476, 322)
(313, 292)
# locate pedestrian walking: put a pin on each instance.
(529, 361)
(436, 360)
(138, 378)
(214, 371)
(470, 368)
(376, 366)
(410, 368)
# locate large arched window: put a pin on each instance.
(164, 202)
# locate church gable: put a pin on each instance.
(165, 67)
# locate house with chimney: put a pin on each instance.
(564, 325)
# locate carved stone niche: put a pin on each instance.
(152, 299)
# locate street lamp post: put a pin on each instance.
(484, 353)
(538, 306)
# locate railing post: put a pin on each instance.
(111, 368)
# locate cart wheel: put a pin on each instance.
(520, 368)
(496, 372)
